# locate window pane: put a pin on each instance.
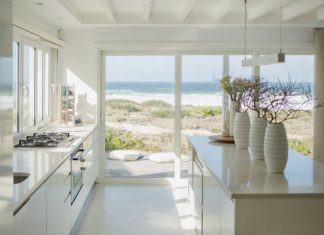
(140, 114)
(28, 105)
(15, 86)
(236, 69)
(39, 86)
(46, 86)
(299, 68)
(201, 99)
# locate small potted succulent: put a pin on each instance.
(236, 90)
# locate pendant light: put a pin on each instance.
(266, 59)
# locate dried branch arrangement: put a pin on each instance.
(256, 96)
(275, 101)
(287, 100)
(237, 90)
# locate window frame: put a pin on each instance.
(45, 120)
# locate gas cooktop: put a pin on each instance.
(52, 139)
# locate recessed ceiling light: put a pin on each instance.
(39, 3)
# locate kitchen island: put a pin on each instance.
(231, 194)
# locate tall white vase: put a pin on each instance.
(233, 108)
(241, 130)
(257, 132)
(276, 148)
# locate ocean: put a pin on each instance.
(193, 93)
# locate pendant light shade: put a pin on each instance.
(264, 60)
(276, 58)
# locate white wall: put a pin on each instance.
(78, 68)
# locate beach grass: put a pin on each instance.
(119, 139)
(157, 117)
(200, 111)
(156, 104)
(163, 113)
(303, 146)
(120, 104)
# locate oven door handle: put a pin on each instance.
(78, 155)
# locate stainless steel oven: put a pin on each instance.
(77, 171)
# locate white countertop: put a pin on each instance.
(40, 163)
(242, 177)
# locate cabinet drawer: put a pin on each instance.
(31, 218)
(198, 218)
(58, 213)
(198, 180)
(60, 181)
(90, 140)
(89, 159)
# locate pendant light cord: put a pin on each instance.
(280, 25)
(245, 26)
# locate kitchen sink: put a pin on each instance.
(19, 177)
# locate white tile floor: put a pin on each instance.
(135, 210)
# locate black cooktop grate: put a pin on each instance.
(53, 139)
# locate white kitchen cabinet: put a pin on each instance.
(227, 210)
(90, 173)
(197, 183)
(213, 211)
(31, 218)
(59, 201)
(249, 200)
(212, 205)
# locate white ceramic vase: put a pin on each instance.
(257, 132)
(275, 148)
(241, 130)
(233, 107)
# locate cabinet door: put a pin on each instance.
(212, 205)
(190, 165)
(227, 215)
(198, 194)
(198, 180)
(31, 218)
(190, 181)
(59, 201)
(91, 170)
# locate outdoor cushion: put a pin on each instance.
(162, 157)
(125, 155)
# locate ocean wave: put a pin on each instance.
(190, 99)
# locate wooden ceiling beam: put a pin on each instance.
(187, 9)
(147, 5)
(72, 9)
(300, 8)
(222, 9)
(264, 8)
(108, 9)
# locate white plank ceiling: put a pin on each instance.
(70, 14)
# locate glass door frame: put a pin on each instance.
(177, 96)
(177, 111)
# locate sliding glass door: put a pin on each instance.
(201, 98)
(139, 103)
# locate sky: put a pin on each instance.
(203, 68)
